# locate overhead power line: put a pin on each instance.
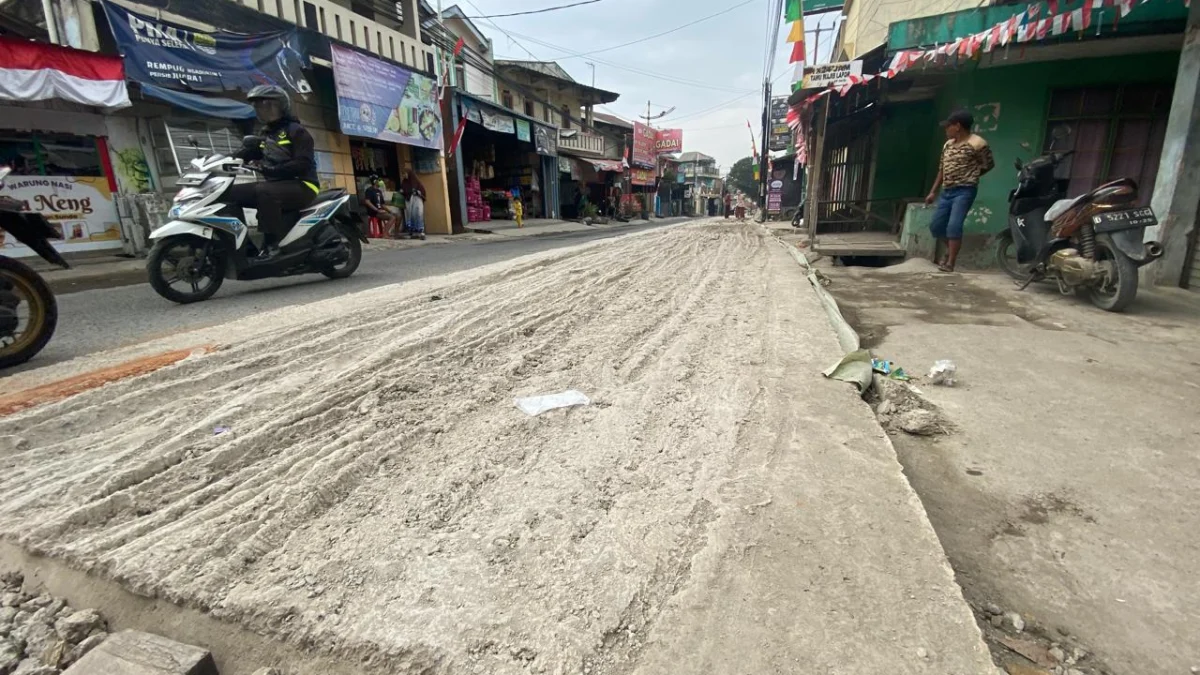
(666, 32)
(709, 85)
(532, 11)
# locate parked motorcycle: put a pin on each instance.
(28, 310)
(206, 241)
(1092, 243)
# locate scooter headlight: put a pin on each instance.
(188, 198)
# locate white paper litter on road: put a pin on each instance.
(536, 405)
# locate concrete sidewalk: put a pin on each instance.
(1065, 489)
(95, 271)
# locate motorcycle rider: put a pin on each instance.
(288, 163)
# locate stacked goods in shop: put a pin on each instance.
(477, 209)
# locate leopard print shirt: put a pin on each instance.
(963, 163)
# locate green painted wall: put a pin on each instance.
(1009, 104)
(911, 161)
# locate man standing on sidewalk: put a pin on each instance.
(965, 157)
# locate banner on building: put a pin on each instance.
(831, 74)
(780, 136)
(774, 195)
(524, 133)
(644, 137)
(545, 140)
(386, 102)
(498, 122)
(79, 208)
(640, 176)
(172, 55)
(668, 141)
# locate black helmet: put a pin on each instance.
(271, 92)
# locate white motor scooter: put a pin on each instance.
(205, 240)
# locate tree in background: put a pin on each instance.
(741, 176)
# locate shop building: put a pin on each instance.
(701, 178)
(1114, 86)
(504, 156)
(544, 91)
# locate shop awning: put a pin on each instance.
(212, 106)
(33, 71)
(607, 165)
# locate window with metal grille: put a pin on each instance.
(529, 107)
(506, 99)
(1116, 132)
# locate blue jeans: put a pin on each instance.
(951, 211)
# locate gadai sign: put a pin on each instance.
(831, 74)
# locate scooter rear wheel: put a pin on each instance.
(354, 246)
(1120, 289)
(24, 337)
(180, 271)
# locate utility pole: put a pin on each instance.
(765, 150)
(593, 67)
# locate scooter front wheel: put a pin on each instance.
(186, 269)
(1006, 257)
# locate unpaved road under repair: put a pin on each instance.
(719, 508)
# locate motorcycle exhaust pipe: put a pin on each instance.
(1154, 250)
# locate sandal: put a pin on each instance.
(943, 267)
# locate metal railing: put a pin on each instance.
(581, 141)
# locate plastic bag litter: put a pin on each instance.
(943, 373)
(889, 369)
(536, 405)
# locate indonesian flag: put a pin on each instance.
(34, 71)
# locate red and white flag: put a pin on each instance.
(34, 71)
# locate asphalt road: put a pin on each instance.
(100, 319)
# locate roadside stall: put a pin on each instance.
(502, 155)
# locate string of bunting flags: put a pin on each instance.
(1020, 28)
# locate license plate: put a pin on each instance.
(1113, 221)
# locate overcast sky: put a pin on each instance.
(711, 73)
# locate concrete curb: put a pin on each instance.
(849, 340)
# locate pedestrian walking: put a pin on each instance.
(414, 197)
(965, 158)
(518, 208)
(728, 205)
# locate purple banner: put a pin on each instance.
(384, 101)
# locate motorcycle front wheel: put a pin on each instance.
(28, 313)
(1117, 290)
(186, 269)
(1006, 257)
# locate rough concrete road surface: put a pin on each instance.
(102, 318)
(718, 508)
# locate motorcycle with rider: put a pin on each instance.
(279, 226)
